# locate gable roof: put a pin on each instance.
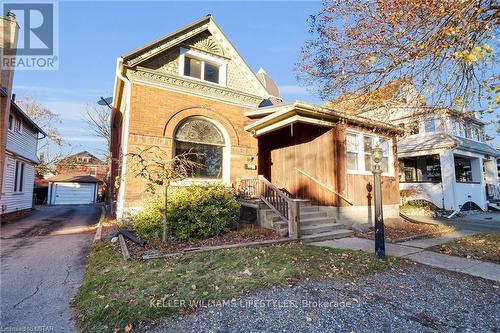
(275, 117)
(73, 177)
(204, 24)
(27, 120)
(73, 159)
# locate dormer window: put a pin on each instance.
(200, 66)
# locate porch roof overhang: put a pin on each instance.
(477, 147)
(279, 116)
(429, 144)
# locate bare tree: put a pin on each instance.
(448, 49)
(151, 165)
(50, 147)
(98, 120)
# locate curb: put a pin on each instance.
(225, 247)
(98, 233)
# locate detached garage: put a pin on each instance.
(72, 189)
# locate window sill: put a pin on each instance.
(18, 193)
(458, 182)
(202, 81)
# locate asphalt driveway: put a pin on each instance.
(42, 259)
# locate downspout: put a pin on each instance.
(121, 193)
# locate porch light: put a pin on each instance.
(377, 156)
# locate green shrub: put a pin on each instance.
(148, 221)
(193, 212)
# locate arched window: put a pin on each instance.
(204, 143)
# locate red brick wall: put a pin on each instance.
(154, 116)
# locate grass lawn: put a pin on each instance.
(116, 292)
(484, 246)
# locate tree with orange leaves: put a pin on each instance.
(447, 48)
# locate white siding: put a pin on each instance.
(20, 200)
(23, 143)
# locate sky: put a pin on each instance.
(93, 34)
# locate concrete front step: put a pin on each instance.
(305, 216)
(320, 228)
(307, 222)
(334, 234)
(303, 210)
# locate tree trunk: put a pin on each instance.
(164, 235)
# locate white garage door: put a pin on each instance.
(74, 193)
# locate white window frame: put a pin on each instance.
(19, 177)
(203, 57)
(226, 159)
(361, 154)
(18, 125)
(93, 170)
(428, 120)
(11, 125)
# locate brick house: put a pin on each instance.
(192, 91)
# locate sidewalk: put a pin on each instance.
(415, 250)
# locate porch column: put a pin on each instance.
(448, 179)
(490, 171)
(478, 176)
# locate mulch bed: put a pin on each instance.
(406, 231)
(242, 235)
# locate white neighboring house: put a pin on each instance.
(443, 157)
(21, 159)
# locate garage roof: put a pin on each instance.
(73, 177)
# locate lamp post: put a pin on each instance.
(379, 216)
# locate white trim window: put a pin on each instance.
(352, 151)
(206, 143)
(202, 67)
(19, 125)
(359, 153)
(19, 176)
(11, 122)
(430, 125)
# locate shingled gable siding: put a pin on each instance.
(154, 116)
(23, 143)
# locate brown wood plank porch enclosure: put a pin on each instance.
(319, 152)
(307, 147)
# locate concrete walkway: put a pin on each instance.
(415, 250)
(486, 221)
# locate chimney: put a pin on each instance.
(13, 97)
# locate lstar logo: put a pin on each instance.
(37, 42)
